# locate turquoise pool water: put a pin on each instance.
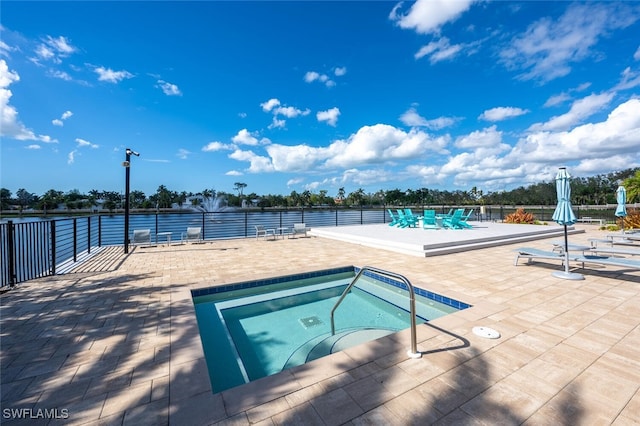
(256, 329)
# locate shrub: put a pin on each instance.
(632, 220)
(520, 216)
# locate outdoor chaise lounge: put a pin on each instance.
(531, 253)
(141, 236)
(616, 251)
(261, 231)
(298, 229)
(193, 234)
(609, 261)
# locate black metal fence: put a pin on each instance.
(36, 248)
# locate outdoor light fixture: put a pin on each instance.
(127, 167)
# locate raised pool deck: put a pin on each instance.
(117, 342)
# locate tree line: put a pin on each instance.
(595, 190)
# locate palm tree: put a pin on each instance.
(632, 185)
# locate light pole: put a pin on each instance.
(127, 164)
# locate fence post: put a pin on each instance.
(99, 230)
(88, 234)
(52, 223)
(75, 240)
(11, 255)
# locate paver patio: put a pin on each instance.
(121, 346)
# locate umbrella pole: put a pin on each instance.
(566, 275)
(566, 250)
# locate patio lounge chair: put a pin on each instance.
(407, 221)
(616, 251)
(261, 231)
(141, 236)
(193, 234)
(395, 220)
(298, 229)
(531, 253)
(453, 222)
(609, 261)
(465, 218)
(429, 220)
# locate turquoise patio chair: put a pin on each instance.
(429, 220)
(465, 218)
(395, 220)
(406, 221)
(453, 222)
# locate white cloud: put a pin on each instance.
(33, 147)
(439, 50)
(413, 119)
(294, 158)
(329, 116)
(548, 48)
(636, 55)
(234, 173)
(169, 89)
(489, 138)
(565, 96)
(619, 134)
(62, 75)
(5, 49)
(82, 142)
(60, 122)
(340, 71)
(428, 16)
(10, 125)
(382, 143)
(183, 154)
(71, 157)
(244, 137)
(111, 76)
(290, 112)
(312, 76)
(270, 104)
(54, 49)
(629, 79)
(277, 124)
(502, 113)
(580, 110)
(258, 164)
(216, 146)
(277, 109)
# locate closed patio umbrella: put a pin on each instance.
(564, 215)
(621, 210)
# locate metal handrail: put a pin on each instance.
(413, 351)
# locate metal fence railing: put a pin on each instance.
(32, 248)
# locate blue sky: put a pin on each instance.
(294, 95)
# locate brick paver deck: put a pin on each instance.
(122, 346)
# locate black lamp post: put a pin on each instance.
(127, 164)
